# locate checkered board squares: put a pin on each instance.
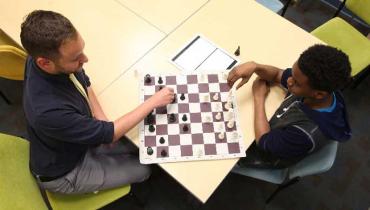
(163, 139)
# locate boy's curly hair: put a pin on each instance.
(327, 68)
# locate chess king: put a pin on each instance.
(67, 129)
(312, 114)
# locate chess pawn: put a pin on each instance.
(218, 116)
(230, 124)
(227, 105)
(221, 135)
(215, 97)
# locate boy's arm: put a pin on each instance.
(245, 71)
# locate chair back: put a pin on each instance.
(361, 8)
(18, 189)
(12, 60)
(318, 162)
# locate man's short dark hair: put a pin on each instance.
(43, 32)
(327, 68)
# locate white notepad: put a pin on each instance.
(201, 55)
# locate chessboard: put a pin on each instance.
(200, 124)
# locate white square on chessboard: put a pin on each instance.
(216, 107)
(205, 116)
(172, 108)
(147, 132)
(219, 126)
(209, 138)
(161, 119)
(222, 76)
(181, 80)
(185, 139)
(228, 116)
(214, 87)
(173, 129)
(204, 97)
(149, 90)
(165, 140)
(202, 78)
(232, 137)
(198, 150)
(221, 148)
(224, 96)
(163, 79)
(193, 88)
(172, 86)
(196, 128)
(179, 101)
(150, 156)
(194, 107)
(174, 151)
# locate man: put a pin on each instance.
(312, 114)
(67, 128)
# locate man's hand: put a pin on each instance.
(162, 97)
(243, 71)
(260, 89)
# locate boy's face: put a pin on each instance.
(298, 83)
(71, 57)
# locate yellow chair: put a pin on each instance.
(12, 60)
(338, 33)
(18, 188)
(359, 7)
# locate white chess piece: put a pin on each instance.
(215, 97)
(230, 124)
(221, 135)
(218, 116)
(227, 105)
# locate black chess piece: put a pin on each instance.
(163, 153)
(149, 151)
(151, 128)
(237, 51)
(174, 98)
(148, 79)
(161, 140)
(184, 118)
(182, 97)
(160, 87)
(172, 118)
(150, 118)
(185, 128)
(160, 80)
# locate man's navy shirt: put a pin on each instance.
(59, 121)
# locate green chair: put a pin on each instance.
(19, 190)
(338, 33)
(12, 59)
(359, 7)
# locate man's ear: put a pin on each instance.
(45, 64)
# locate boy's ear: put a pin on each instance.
(320, 94)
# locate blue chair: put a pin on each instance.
(275, 5)
(318, 162)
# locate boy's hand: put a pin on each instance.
(243, 71)
(162, 97)
(260, 89)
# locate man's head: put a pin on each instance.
(51, 39)
(319, 71)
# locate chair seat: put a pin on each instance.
(89, 201)
(276, 176)
(338, 33)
